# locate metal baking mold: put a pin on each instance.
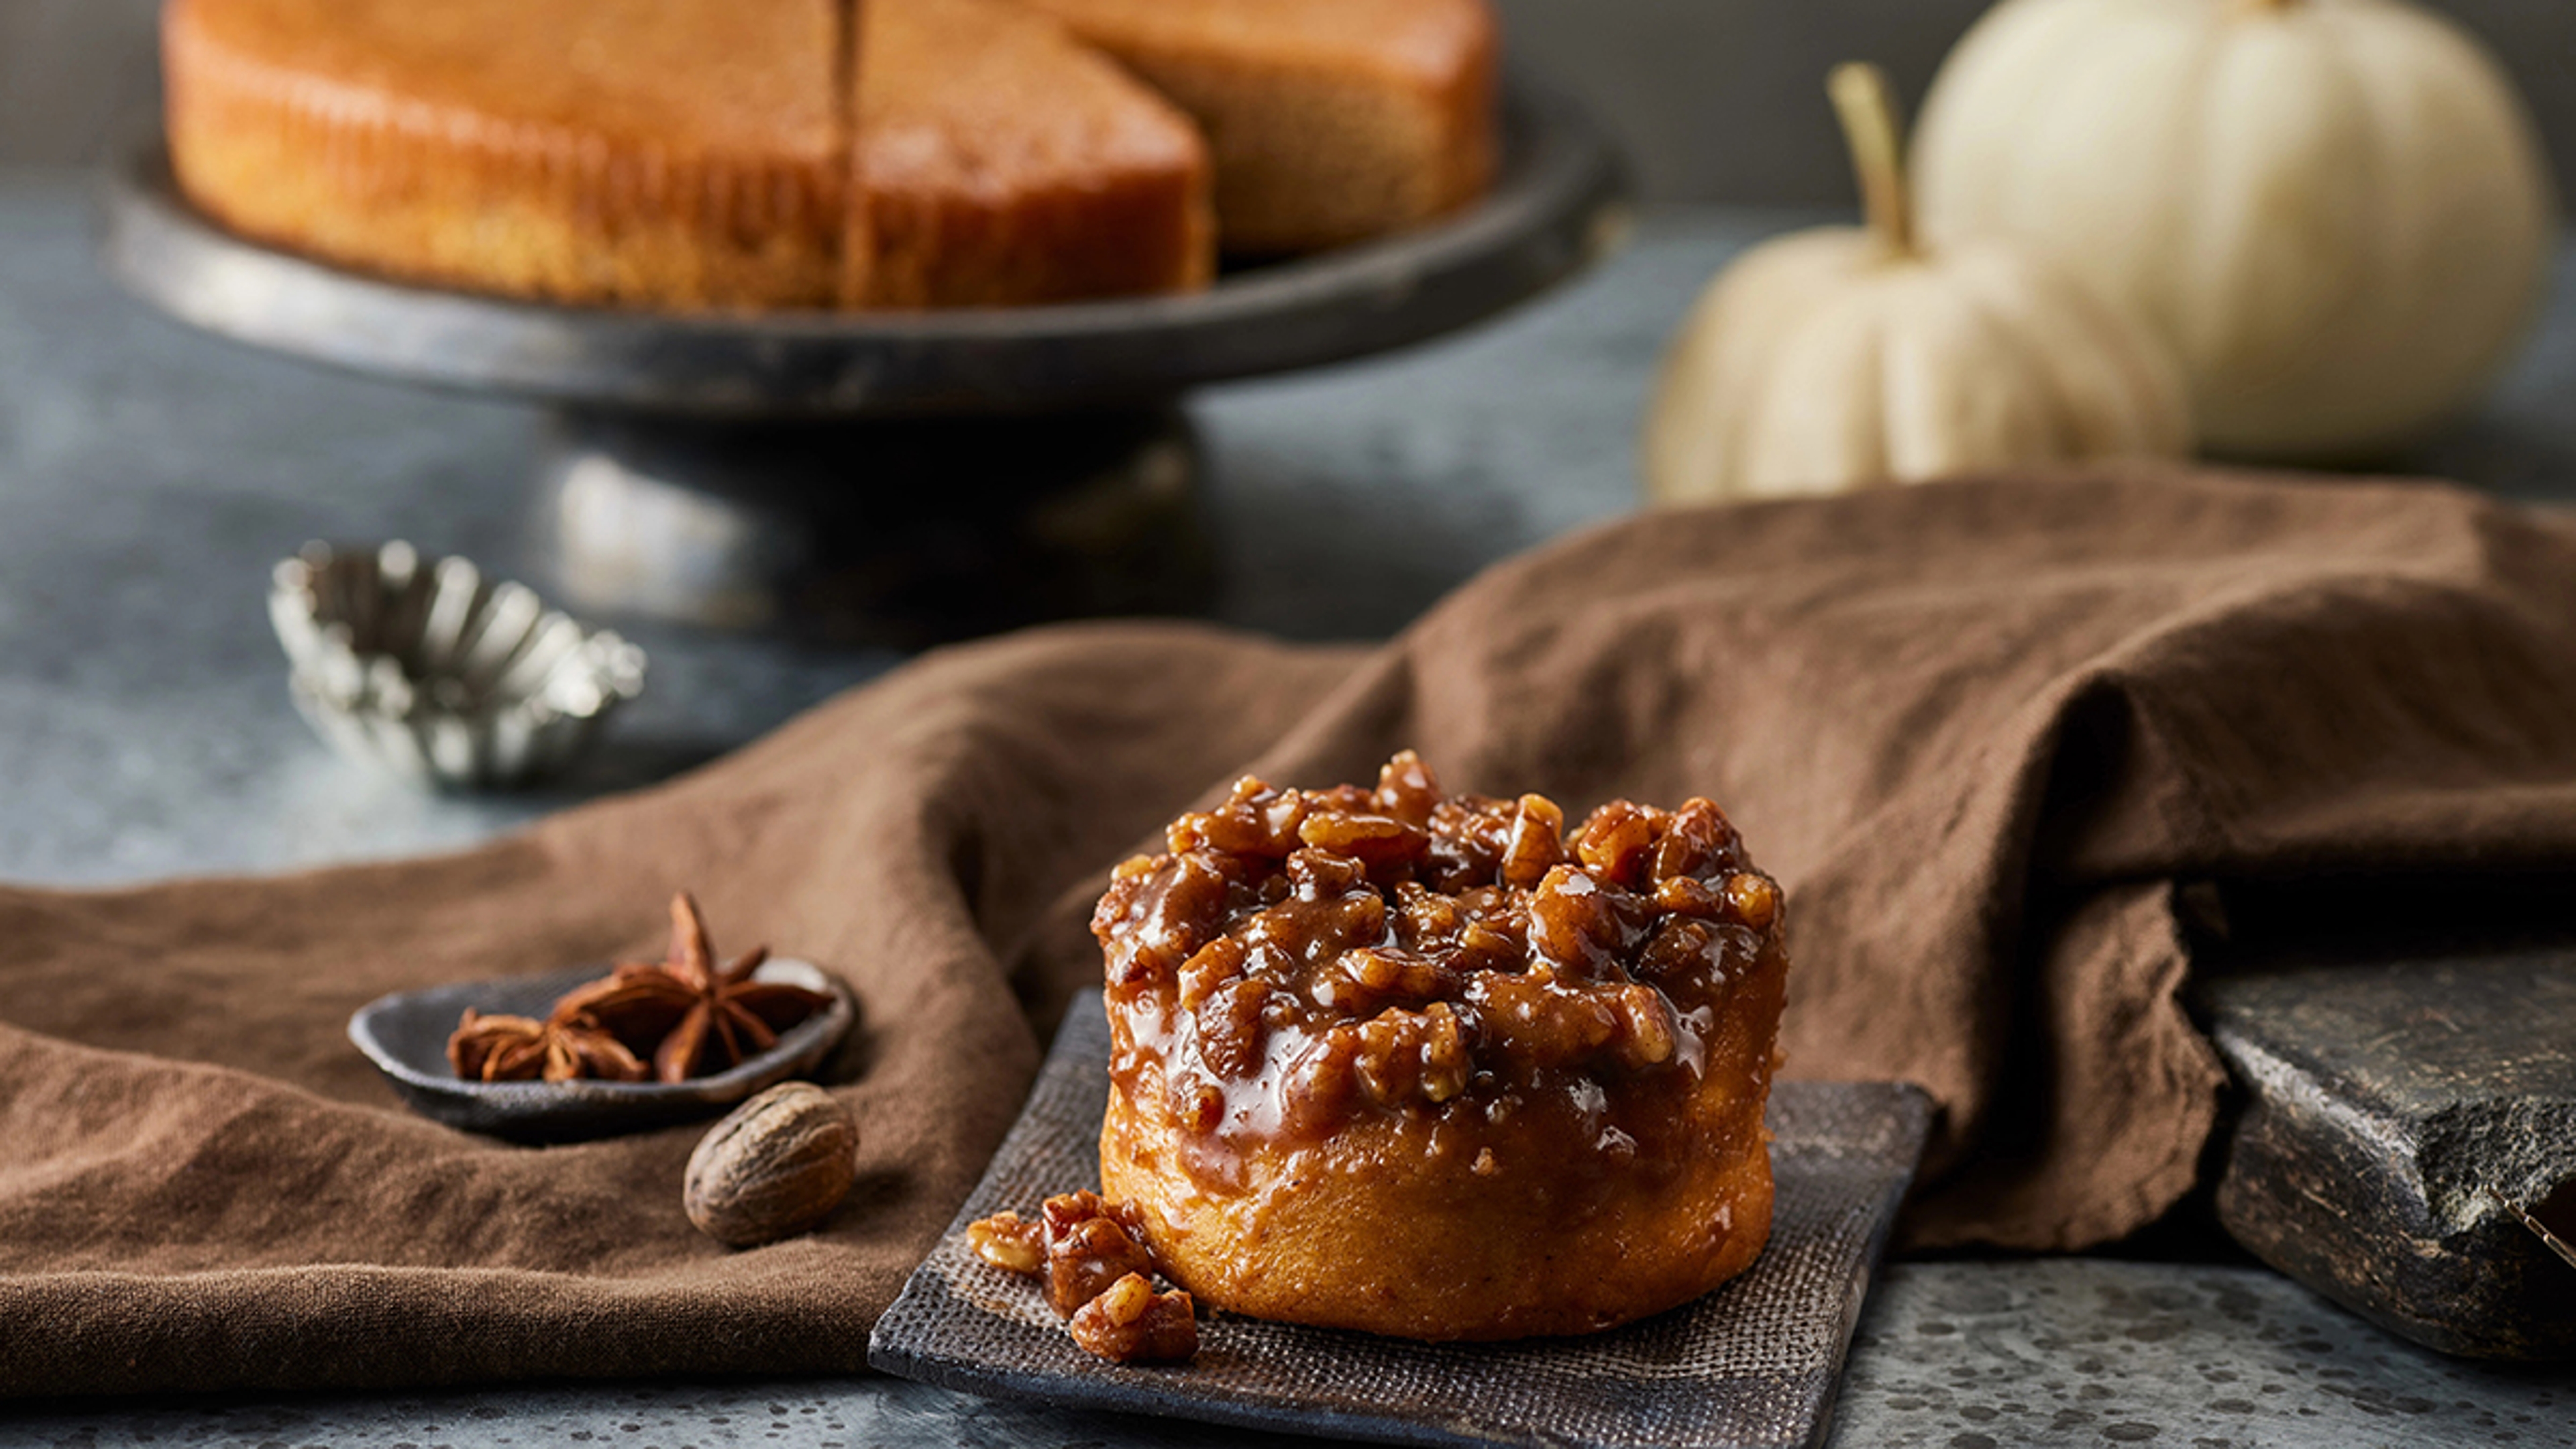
(446, 677)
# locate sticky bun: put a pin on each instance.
(1436, 1066)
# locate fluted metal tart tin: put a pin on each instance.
(405, 1035)
(439, 673)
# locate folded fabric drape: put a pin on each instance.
(1980, 730)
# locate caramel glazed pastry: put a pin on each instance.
(824, 153)
(1428, 1066)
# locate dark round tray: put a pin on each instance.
(1554, 207)
(405, 1035)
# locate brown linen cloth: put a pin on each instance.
(1978, 729)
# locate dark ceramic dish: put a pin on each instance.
(405, 1035)
(1755, 1363)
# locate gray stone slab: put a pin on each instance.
(2399, 1119)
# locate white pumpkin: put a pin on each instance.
(2334, 210)
(1848, 356)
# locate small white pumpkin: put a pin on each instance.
(1842, 357)
(2335, 211)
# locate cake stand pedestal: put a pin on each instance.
(902, 531)
(885, 475)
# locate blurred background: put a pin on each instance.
(1716, 100)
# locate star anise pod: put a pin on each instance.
(522, 1049)
(696, 1017)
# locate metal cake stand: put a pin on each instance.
(885, 474)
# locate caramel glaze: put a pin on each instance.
(1450, 1005)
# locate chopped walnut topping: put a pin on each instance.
(1754, 899)
(1398, 953)
(1131, 1323)
(1090, 1244)
(1008, 1242)
(1098, 1269)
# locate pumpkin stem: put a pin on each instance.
(1867, 108)
(2269, 7)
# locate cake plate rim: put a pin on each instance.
(1558, 203)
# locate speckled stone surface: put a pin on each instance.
(1949, 1356)
(2086, 1352)
(149, 477)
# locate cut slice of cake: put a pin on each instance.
(999, 162)
(687, 153)
(1330, 120)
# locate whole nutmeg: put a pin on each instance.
(776, 1166)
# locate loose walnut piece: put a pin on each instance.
(1099, 1275)
(1131, 1323)
(1398, 952)
(1089, 1246)
(1008, 1242)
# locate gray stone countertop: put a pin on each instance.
(150, 477)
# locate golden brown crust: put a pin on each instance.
(1330, 120)
(1001, 163)
(1435, 1066)
(704, 153)
(687, 153)
(1551, 1248)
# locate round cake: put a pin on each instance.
(690, 153)
(1434, 1066)
(824, 153)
